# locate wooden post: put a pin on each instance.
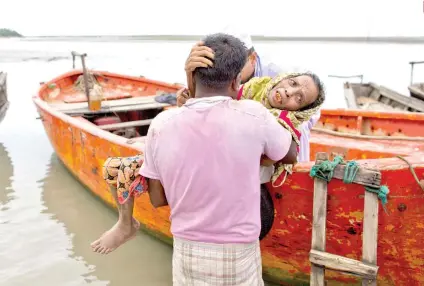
(320, 260)
(319, 224)
(84, 72)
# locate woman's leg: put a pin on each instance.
(127, 226)
(124, 230)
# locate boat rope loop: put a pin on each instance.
(325, 171)
(350, 172)
(381, 194)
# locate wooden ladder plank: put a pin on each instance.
(369, 235)
(343, 264)
(319, 224)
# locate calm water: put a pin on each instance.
(47, 219)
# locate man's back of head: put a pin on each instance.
(230, 55)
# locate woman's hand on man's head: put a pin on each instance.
(200, 57)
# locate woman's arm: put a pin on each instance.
(200, 57)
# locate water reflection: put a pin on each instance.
(142, 261)
(6, 172)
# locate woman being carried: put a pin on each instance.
(292, 98)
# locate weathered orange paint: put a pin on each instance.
(83, 147)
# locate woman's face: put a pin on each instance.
(293, 93)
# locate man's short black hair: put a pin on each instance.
(230, 58)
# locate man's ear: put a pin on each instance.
(235, 85)
(253, 58)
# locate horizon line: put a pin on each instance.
(164, 37)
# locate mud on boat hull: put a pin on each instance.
(285, 250)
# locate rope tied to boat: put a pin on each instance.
(350, 172)
(420, 183)
(325, 171)
(381, 194)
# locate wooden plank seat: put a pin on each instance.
(128, 124)
(81, 97)
(137, 140)
(120, 105)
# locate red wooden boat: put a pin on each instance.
(83, 139)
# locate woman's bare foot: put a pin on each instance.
(115, 237)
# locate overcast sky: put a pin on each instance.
(266, 17)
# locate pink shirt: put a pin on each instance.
(206, 155)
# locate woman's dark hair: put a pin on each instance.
(321, 90)
(230, 57)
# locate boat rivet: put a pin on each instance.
(401, 207)
(278, 196)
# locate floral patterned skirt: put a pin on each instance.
(123, 174)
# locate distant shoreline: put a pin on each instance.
(193, 38)
(7, 33)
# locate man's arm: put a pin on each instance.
(279, 144)
(290, 158)
(157, 193)
(150, 172)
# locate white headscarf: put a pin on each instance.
(242, 36)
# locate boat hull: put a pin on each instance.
(285, 250)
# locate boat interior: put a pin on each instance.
(371, 96)
(129, 106)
